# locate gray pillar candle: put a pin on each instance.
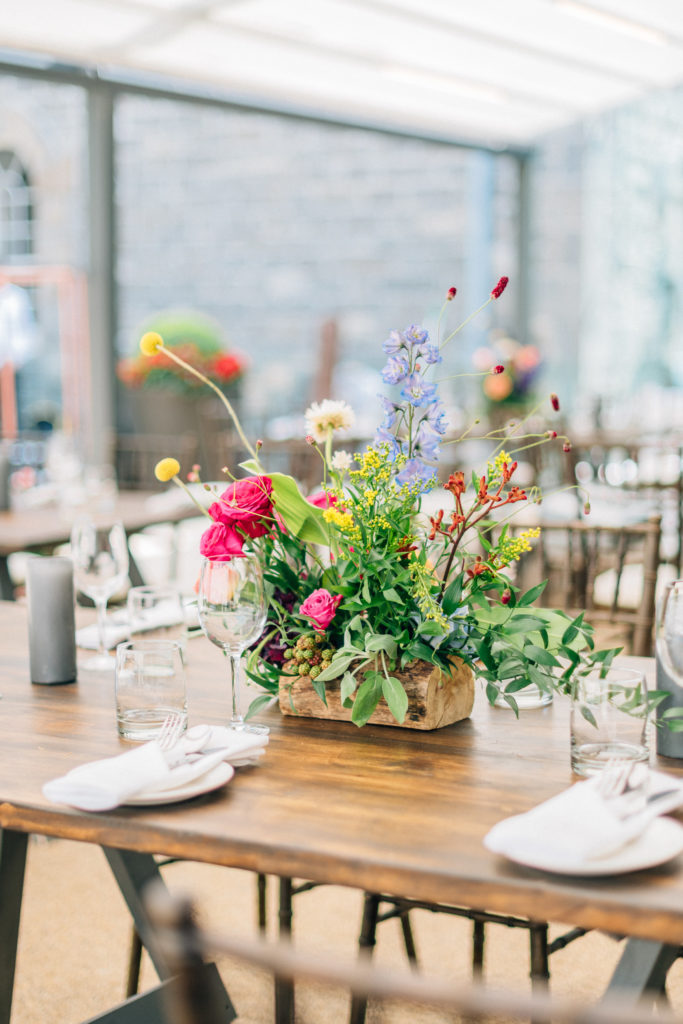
(5, 470)
(51, 624)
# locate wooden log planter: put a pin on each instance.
(435, 699)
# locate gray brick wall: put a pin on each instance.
(274, 225)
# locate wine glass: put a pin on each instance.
(232, 610)
(100, 557)
(669, 630)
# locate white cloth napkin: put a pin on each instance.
(103, 785)
(117, 627)
(578, 824)
(116, 630)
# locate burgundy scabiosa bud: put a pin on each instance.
(551, 434)
(450, 295)
(506, 595)
(555, 402)
(497, 369)
(259, 445)
(587, 508)
(567, 447)
(500, 288)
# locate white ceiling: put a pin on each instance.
(497, 72)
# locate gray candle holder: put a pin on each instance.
(51, 621)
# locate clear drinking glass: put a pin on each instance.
(100, 558)
(158, 613)
(150, 685)
(609, 720)
(232, 610)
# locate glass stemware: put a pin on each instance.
(669, 630)
(232, 610)
(100, 557)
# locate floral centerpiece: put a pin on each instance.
(387, 567)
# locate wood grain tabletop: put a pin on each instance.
(380, 808)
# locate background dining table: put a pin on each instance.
(45, 527)
(405, 812)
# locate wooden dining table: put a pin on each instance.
(381, 809)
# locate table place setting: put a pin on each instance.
(155, 610)
(608, 824)
(165, 770)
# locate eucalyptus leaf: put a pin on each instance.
(541, 656)
(532, 595)
(336, 668)
(588, 715)
(396, 697)
(381, 642)
(347, 689)
(258, 704)
(367, 698)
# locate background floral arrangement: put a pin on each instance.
(362, 583)
(201, 343)
(521, 367)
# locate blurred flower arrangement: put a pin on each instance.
(199, 341)
(361, 582)
(514, 386)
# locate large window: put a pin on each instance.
(16, 209)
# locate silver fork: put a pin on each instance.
(171, 730)
(614, 778)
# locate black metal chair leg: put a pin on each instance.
(478, 937)
(284, 989)
(538, 954)
(409, 939)
(366, 943)
(134, 961)
(261, 898)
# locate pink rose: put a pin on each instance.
(246, 505)
(321, 499)
(320, 607)
(220, 543)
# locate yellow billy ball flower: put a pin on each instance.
(166, 469)
(151, 343)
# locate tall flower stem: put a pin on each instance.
(465, 322)
(214, 387)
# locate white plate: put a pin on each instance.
(215, 777)
(661, 841)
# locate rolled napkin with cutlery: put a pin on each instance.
(582, 824)
(149, 770)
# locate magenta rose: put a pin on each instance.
(246, 506)
(321, 499)
(220, 543)
(320, 607)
